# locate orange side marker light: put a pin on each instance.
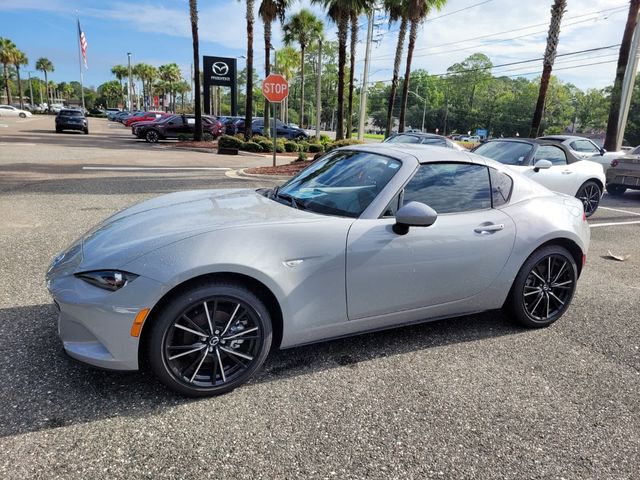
(136, 328)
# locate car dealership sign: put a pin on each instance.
(219, 72)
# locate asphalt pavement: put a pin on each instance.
(471, 397)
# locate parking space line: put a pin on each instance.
(164, 169)
(621, 211)
(611, 224)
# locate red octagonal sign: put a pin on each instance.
(275, 88)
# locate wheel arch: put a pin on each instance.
(595, 180)
(256, 286)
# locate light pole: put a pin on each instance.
(424, 110)
(365, 79)
(30, 89)
(129, 84)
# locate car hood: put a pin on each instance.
(161, 221)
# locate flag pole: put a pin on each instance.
(80, 61)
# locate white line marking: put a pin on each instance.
(164, 169)
(16, 144)
(621, 211)
(611, 224)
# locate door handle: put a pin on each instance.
(492, 228)
(567, 172)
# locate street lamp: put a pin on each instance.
(424, 110)
(129, 84)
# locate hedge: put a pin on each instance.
(251, 147)
(227, 141)
(343, 143)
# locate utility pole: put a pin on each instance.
(627, 85)
(129, 84)
(365, 79)
(318, 86)
(30, 90)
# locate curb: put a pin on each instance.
(242, 174)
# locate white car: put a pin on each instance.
(470, 138)
(9, 111)
(552, 165)
(585, 148)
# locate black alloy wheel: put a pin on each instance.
(210, 339)
(589, 194)
(152, 136)
(616, 189)
(544, 287)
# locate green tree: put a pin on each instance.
(270, 11)
(303, 27)
(45, 65)
(557, 10)
(7, 54)
(19, 59)
(111, 91)
(147, 75)
(248, 114)
(171, 75)
(397, 10)
(120, 72)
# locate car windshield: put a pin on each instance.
(509, 153)
(403, 139)
(71, 113)
(165, 119)
(342, 183)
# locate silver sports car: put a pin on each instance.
(200, 285)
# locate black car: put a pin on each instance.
(71, 119)
(282, 130)
(423, 139)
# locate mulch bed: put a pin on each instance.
(289, 169)
(192, 144)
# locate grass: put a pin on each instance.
(373, 136)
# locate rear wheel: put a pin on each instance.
(616, 190)
(152, 136)
(23, 115)
(544, 287)
(210, 339)
(589, 194)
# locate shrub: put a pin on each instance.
(207, 137)
(291, 146)
(343, 143)
(301, 157)
(261, 138)
(227, 141)
(251, 147)
(303, 146)
(265, 144)
(183, 137)
(315, 148)
(324, 139)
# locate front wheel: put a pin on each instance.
(616, 190)
(589, 194)
(544, 287)
(86, 131)
(23, 115)
(210, 339)
(152, 136)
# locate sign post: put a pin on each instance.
(275, 88)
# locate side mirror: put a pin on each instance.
(542, 164)
(414, 214)
(602, 151)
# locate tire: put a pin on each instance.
(589, 194)
(301, 137)
(22, 115)
(616, 190)
(58, 130)
(86, 131)
(531, 301)
(223, 364)
(152, 136)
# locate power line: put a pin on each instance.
(457, 11)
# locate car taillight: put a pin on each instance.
(615, 163)
(584, 216)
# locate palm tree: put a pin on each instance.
(396, 9)
(417, 11)
(288, 59)
(610, 142)
(193, 13)
(147, 74)
(248, 114)
(270, 11)
(171, 75)
(19, 58)
(303, 27)
(7, 49)
(120, 72)
(557, 10)
(45, 65)
(181, 88)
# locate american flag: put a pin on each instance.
(83, 45)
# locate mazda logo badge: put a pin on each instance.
(220, 68)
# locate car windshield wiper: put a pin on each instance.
(291, 198)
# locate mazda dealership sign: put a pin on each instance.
(219, 72)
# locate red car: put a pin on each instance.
(146, 117)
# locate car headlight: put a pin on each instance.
(107, 279)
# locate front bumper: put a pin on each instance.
(95, 324)
(71, 126)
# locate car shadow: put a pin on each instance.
(43, 388)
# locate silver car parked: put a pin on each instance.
(202, 284)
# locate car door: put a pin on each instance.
(560, 177)
(457, 257)
(174, 127)
(7, 111)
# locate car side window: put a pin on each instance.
(450, 187)
(552, 153)
(584, 146)
(501, 187)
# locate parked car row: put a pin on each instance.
(235, 125)
(173, 126)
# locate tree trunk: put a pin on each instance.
(557, 10)
(267, 71)
(6, 83)
(342, 60)
(302, 86)
(19, 87)
(197, 133)
(46, 85)
(248, 115)
(352, 66)
(396, 72)
(623, 58)
(413, 33)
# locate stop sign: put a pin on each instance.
(275, 88)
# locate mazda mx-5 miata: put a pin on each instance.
(200, 285)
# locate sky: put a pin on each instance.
(158, 32)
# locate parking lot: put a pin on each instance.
(468, 397)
